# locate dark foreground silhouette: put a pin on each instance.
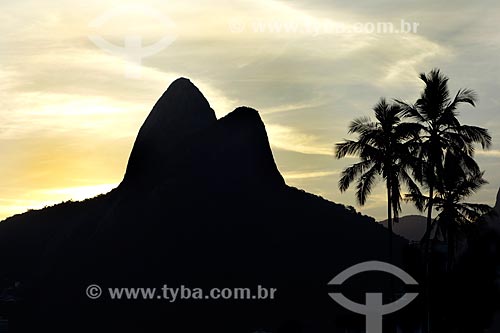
(203, 205)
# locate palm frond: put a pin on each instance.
(410, 111)
(413, 189)
(350, 173)
(348, 147)
(476, 134)
(365, 184)
(473, 212)
(362, 126)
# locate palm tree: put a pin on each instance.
(436, 114)
(383, 150)
(454, 215)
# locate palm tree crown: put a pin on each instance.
(441, 132)
(383, 149)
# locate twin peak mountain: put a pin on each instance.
(182, 144)
(202, 203)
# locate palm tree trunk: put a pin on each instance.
(427, 258)
(389, 217)
(390, 328)
(451, 247)
(428, 229)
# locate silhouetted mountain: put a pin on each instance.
(411, 227)
(180, 112)
(231, 155)
(203, 205)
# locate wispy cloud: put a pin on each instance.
(290, 107)
(288, 138)
(488, 153)
(308, 174)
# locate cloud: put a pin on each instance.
(488, 153)
(291, 139)
(290, 107)
(60, 90)
(308, 174)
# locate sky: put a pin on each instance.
(77, 79)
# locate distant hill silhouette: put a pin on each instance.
(202, 204)
(411, 227)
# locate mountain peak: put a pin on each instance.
(183, 85)
(183, 146)
(180, 81)
(181, 111)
